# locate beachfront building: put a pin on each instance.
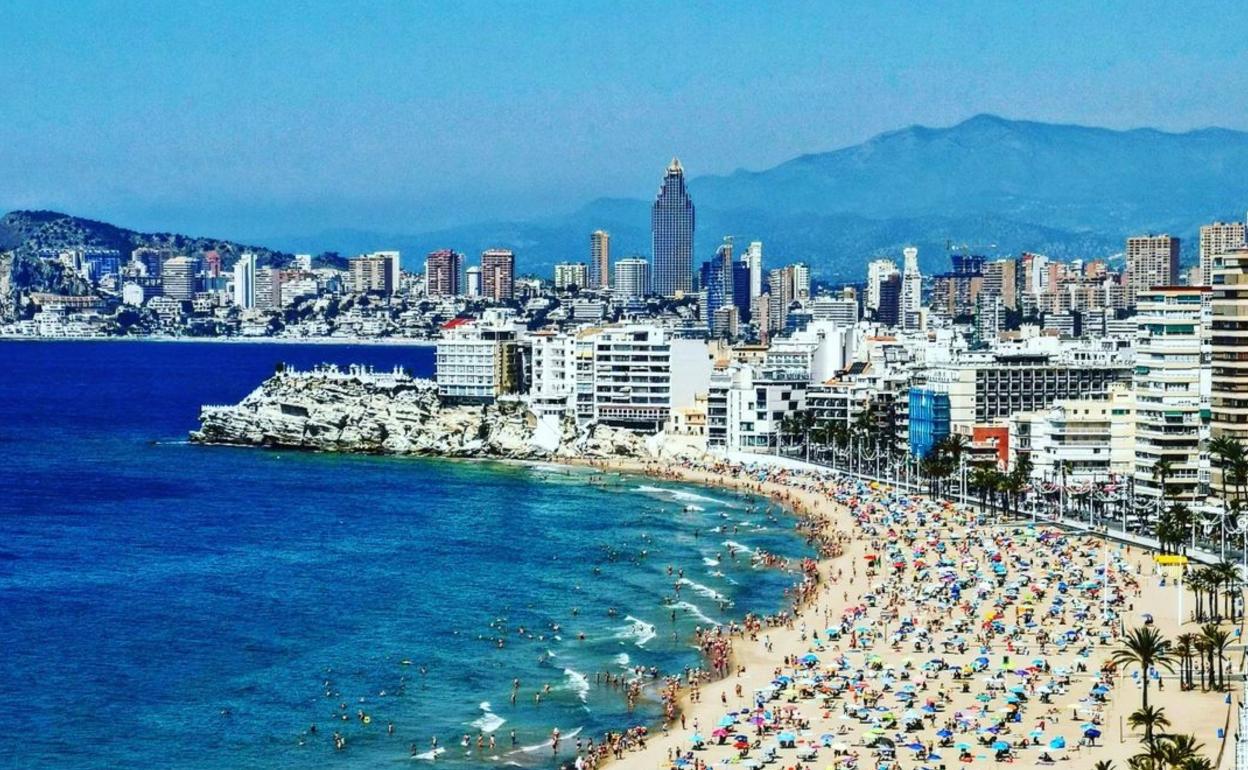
(1078, 440)
(552, 375)
(1172, 380)
(376, 273)
(178, 276)
(632, 377)
(987, 387)
(478, 361)
(747, 405)
(1228, 398)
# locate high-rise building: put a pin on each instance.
(717, 278)
(212, 263)
(1219, 238)
(1171, 390)
(570, 275)
(177, 277)
(632, 376)
(671, 232)
(268, 288)
(245, 281)
(1001, 280)
(599, 261)
(632, 278)
(498, 269)
(889, 310)
(878, 271)
(472, 281)
(753, 260)
(911, 290)
(444, 270)
(1228, 399)
(1152, 260)
(374, 273)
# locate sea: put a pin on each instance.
(169, 605)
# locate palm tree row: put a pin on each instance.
(1211, 584)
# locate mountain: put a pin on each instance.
(1065, 190)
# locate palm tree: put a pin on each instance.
(1149, 718)
(1177, 750)
(1218, 641)
(1228, 451)
(1227, 575)
(1185, 649)
(1145, 648)
(1103, 764)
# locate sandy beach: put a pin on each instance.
(931, 639)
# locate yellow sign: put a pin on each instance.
(1169, 559)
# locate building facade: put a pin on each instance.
(498, 271)
(671, 230)
(599, 261)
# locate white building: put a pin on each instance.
(1172, 384)
(911, 290)
(552, 385)
(753, 259)
(245, 281)
(1078, 440)
(747, 404)
(632, 376)
(478, 361)
(632, 278)
(472, 281)
(570, 274)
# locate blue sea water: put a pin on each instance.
(176, 606)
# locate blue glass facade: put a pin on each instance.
(671, 233)
(929, 420)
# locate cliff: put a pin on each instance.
(331, 410)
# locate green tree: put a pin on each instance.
(1146, 649)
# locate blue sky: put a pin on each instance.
(255, 120)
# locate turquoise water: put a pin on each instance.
(177, 606)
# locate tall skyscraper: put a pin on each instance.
(632, 278)
(717, 279)
(889, 310)
(1152, 260)
(498, 270)
(753, 259)
(878, 271)
(599, 260)
(1219, 238)
(911, 289)
(444, 273)
(245, 281)
(671, 232)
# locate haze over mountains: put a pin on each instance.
(1064, 190)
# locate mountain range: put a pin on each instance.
(1000, 186)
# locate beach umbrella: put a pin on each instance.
(962, 746)
(697, 738)
(727, 721)
(719, 733)
(1000, 746)
(983, 697)
(916, 746)
(1092, 733)
(809, 659)
(1057, 743)
(944, 732)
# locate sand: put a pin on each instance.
(1201, 714)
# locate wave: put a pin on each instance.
(578, 683)
(677, 494)
(430, 755)
(708, 561)
(622, 660)
(546, 743)
(738, 547)
(488, 722)
(706, 591)
(638, 630)
(697, 612)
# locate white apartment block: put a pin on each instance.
(632, 375)
(1078, 440)
(1172, 383)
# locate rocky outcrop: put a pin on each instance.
(330, 410)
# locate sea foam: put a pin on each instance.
(488, 722)
(638, 630)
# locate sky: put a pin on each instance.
(262, 120)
